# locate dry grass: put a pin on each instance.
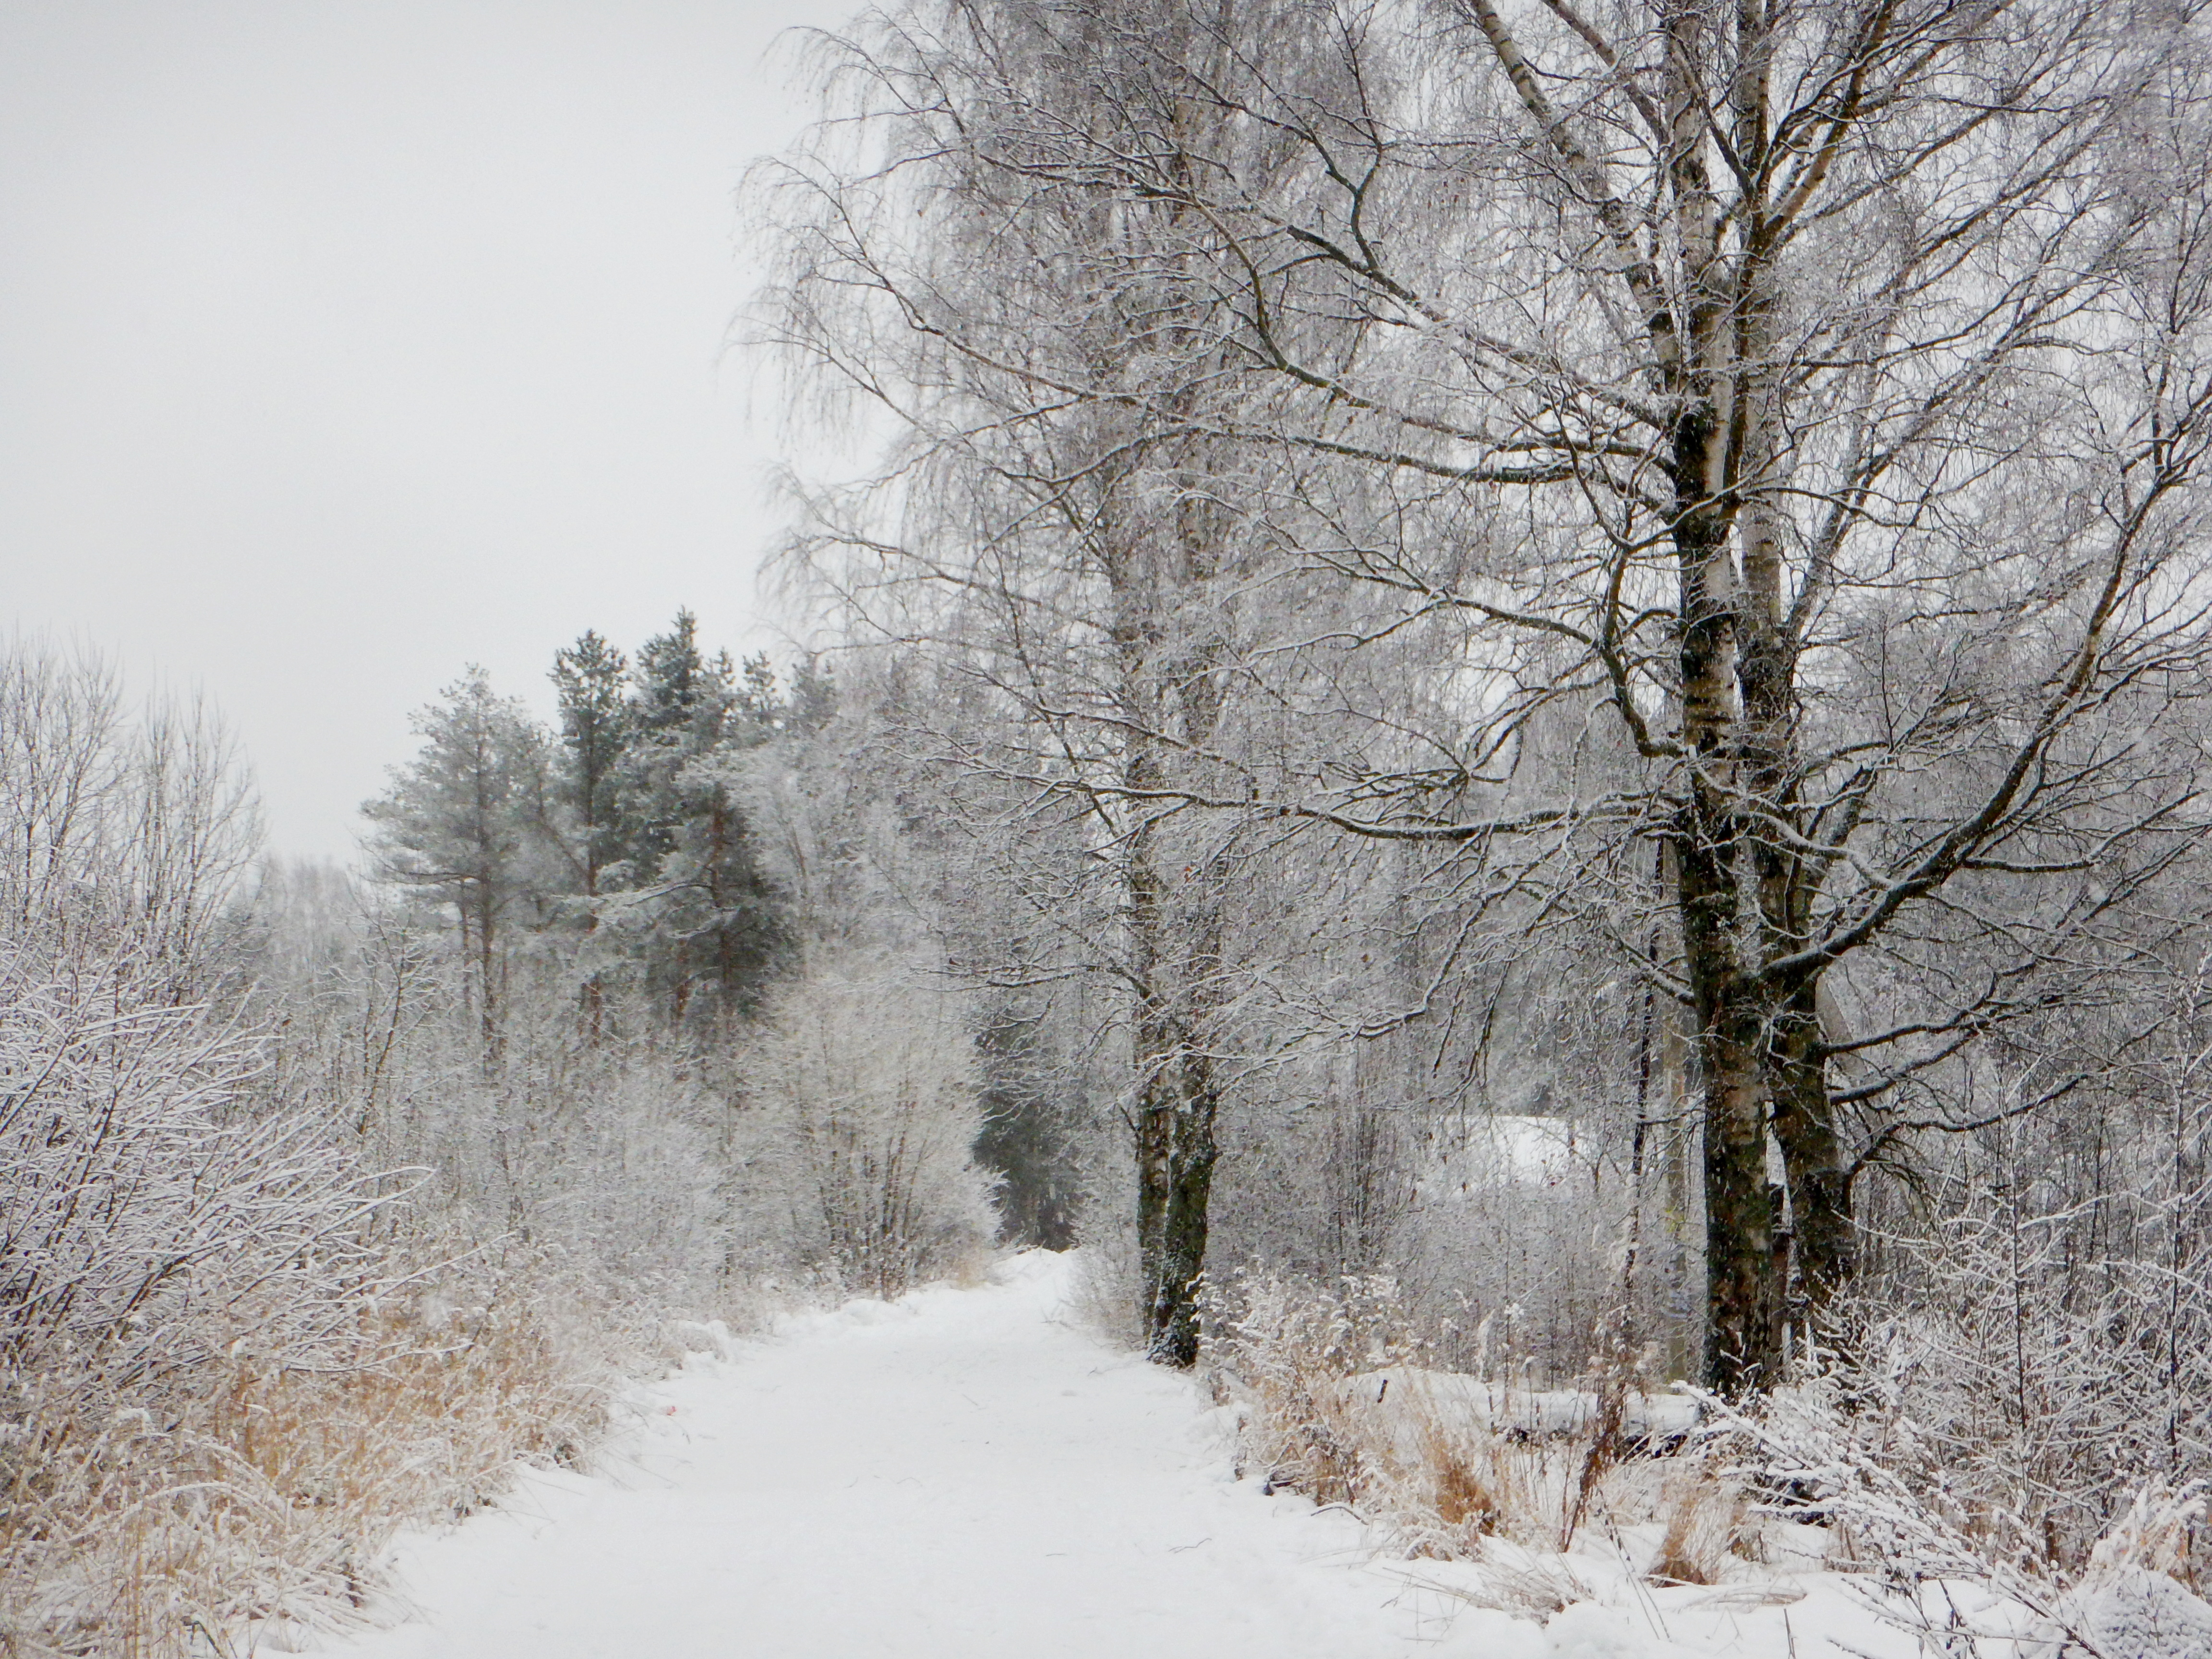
(1448, 1468)
(239, 1507)
(1463, 1499)
(1704, 1529)
(1289, 1353)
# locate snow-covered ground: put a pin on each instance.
(967, 1473)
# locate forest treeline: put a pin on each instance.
(613, 834)
(1506, 687)
(689, 841)
(326, 1194)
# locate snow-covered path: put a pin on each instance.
(958, 1474)
(968, 1474)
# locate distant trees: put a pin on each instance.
(124, 834)
(613, 845)
(707, 918)
(1031, 1132)
(591, 682)
(464, 823)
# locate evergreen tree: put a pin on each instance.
(465, 822)
(589, 679)
(1030, 1133)
(813, 700)
(758, 707)
(679, 702)
(716, 921)
(626, 822)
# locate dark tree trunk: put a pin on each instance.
(1826, 1239)
(1171, 1330)
(1158, 1063)
(1743, 1285)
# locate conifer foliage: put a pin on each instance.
(323, 1201)
(612, 846)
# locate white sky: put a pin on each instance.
(344, 342)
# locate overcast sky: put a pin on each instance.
(346, 341)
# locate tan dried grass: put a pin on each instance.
(1330, 1408)
(160, 1520)
(1705, 1516)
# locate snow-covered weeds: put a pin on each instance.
(1840, 1452)
(174, 1516)
(224, 1383)
(1829, 1473)
(241, 1341)
(1336, 1402)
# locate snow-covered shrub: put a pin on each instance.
(1508, 1219)
(2040, 1361)
(1514, 1224)
(263, 1494)
(1291, 1346)
(607, 1158)
(1104, 1292)
(230, 1368)
(864, 1103)
(153, 1220)
(1840, 1450)
(223, 1380)
(1338, 1398)
(235, 1349)
(186, 1267)
(2130, 1600)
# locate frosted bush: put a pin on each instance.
(152, 1222)
(864, 1103)
(1290, 1347)
(1840, 1451)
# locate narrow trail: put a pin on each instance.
(963, 1473)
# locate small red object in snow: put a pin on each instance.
(671, 1411)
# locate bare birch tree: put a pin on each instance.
(1079, 556)
(1810, 401)
(1829, 388)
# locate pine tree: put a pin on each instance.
(679, 703)
(466, 822)
(759, 710)
(589, 679)
(716, 921)
(813, 701)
